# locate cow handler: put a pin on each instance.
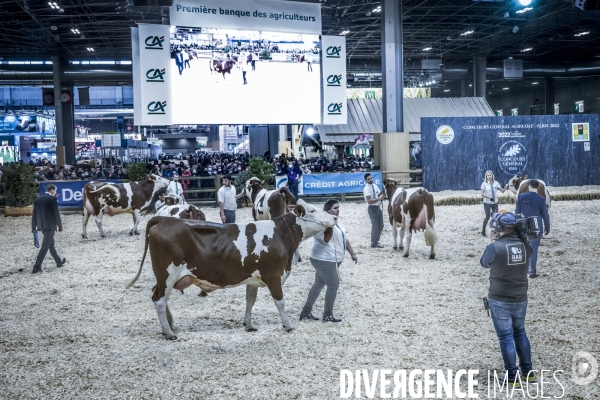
(228, 200)
(373, 197)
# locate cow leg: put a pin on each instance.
(99, 224)
(251, 292)
(407, 224)
(395, 235)
(84, 222)
(274, 285)
(136, 220)
(169, 318)
(164, 316)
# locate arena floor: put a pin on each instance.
(76, 333)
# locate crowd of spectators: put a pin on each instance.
(197, 164)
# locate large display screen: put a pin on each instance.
(244, 77)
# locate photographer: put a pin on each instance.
(508, 260)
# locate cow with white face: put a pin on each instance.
(219, 256)
(110, 198)
(411, 210)
(520, 184)
(267, 204)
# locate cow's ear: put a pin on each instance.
(262, 182)
(328, 234)
(299, 211)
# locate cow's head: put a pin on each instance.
(193, 213)
(515, 182)
(253, 185)
(390, 186)
(159, 181)
(311, 220)
(171, 200)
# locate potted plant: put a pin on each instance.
(19, 187)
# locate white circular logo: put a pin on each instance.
(444, 134)
(585, 368)
(64, 97)
(512, 157)
(49, 99)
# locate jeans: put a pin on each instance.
(229, 216)
(294, 188)
(535, 244)
(489, 209)
(509, 323)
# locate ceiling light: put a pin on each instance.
(505, 88)
(427, 49)
(75, 31)
(377, 9)
(506, 15)
(90, 49)
(525, 2)
(310, 131)
(527, 49)
(53, 5)
(466, 33)
(345, 32)
(53, 27)
(470, 84)
(582, 34)
(534, 83)
(524, 10)
(446, 90)
(515, 29)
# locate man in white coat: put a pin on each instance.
(175, 188)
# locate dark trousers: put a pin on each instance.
(294, 188)
(309, 67)
(376, 216)
(244, 74)
(47, 244)
(489, 209)
(187, 63)
(180, 67)
(229, 216)
(253, 65)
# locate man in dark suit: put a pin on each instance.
(46, 218)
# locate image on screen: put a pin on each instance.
(225, 76)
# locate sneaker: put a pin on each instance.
(483, 234)
(513, 382)
(377, 246)
(331, 318)
(62, 263)
(36, 271)
(309, 317)
(528, 377)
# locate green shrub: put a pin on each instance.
(18, 184)
(137, 172)
(261, 169)
(240, 180)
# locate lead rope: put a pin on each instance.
(338, 265)
(290, 231)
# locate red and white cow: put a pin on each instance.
(413, 209)
(267, 204)
(110, 198)
(220, 256)
(182, 211)
(519, 184)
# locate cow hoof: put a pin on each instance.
(288, 329)
(137, 233)
(432, 256)
(174, 337)
(405, 255)
(131, 233)
(202, 293)
(83, 237)
(395, 247)
(251, 330)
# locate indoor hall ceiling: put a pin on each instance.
(33, 29)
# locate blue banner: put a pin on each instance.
(69, 193)
(337, 183)
(561, 150)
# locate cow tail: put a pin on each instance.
(150, 224)
(430, 234)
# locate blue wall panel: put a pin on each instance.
(458, 151)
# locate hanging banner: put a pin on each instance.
(154, 69)
(261, 15)
(333, 67)
(138, 115)
(417, 93)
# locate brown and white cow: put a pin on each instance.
(519, 184)
(182, 211)
(218, 256)
(413, 209)
(267, 204)
(110, 198)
